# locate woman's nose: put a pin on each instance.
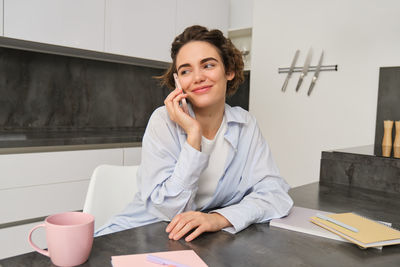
(198, 76)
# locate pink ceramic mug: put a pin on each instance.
(69, 238)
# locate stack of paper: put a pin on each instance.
(299, 220)
(369, 233)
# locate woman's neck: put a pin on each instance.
(210, 119)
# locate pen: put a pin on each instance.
(162, 261)
(326, 218)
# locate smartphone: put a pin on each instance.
(183, 101)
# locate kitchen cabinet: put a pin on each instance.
(210, 13)
(1, 17)
(14, 240)
(143, 29)
(34, 185)
(78, 24)
(136, 28)
(132, 155)
(28, 179)
(146, 29)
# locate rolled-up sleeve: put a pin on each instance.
(267, 195)
(169, 171)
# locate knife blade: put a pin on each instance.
(305, 69)
(296, 55)
(316, 74)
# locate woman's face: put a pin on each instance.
(202, 74)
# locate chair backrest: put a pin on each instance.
(111, 188)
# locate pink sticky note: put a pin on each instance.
(187, 257)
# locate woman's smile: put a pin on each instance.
(202, 89)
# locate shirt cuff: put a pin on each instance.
(237, 218)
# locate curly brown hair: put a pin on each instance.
(230, 55)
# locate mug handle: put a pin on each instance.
(41, 251)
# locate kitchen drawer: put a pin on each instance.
(132, 156)
(30, 169)
(41, 200)
(14, 240)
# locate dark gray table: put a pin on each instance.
(259, 245)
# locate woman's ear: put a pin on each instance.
(230, 75)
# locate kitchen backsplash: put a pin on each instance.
(53, 92)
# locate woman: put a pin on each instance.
(209, 169)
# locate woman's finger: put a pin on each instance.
(178, 227)
(173, 223)
(172, 95)
(176, 101)
(188, 226)
(199, 230)
(169, 104)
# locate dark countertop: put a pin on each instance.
(367, 150)
(43, 141)
(363, 167)
(259, 245)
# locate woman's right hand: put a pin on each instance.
(190, 125)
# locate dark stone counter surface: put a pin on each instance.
(361, 167)
(89, 138)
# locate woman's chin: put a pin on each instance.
(204, 104)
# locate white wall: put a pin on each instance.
(241, 14)
(360, 36)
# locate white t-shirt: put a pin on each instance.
(217, 149)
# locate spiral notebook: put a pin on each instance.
(370, 233)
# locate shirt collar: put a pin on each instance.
(231, 114)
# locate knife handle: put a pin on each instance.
(314, 79)
(299, 82)
(285, 84)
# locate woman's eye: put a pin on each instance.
(183, 72)
(208, 65)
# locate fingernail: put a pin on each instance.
(170, 236)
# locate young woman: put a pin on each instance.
(208, 169)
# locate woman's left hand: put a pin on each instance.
(182, 223)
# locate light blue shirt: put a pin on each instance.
(250, 190)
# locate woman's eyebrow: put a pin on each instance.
(208, 59)
(183, 65)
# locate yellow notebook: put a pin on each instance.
(370, 233)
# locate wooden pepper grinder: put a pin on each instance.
(396, 144)
(387, 138)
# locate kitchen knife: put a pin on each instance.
(305, 69)
(296, 55)
(316, 74)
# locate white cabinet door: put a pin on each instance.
(72, 23)
(14, 240)
(213, 14)
(31, 169)
(132, 156)
(39, 184)
(138, 28)
(1, 17)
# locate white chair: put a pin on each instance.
(111, 188)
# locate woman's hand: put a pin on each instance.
(182, 223)
(189, 124)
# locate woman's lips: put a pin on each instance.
(201, 90)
